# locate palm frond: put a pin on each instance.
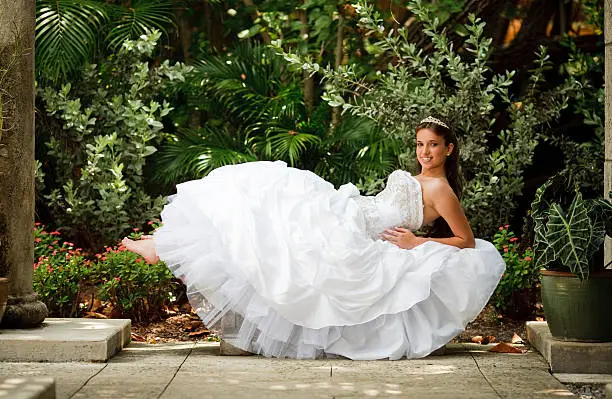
(66, 34)
(288, 145)
(250, 83)
(130, 23)
(195, 153)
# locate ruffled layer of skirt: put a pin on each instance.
(287, 253)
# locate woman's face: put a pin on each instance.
(431, 149)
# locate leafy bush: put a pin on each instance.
(59, 271)
(116, 276)
(514, 293)
(108, 123)
(134, 288)
(254, 111)
(457, 86)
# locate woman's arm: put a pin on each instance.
(448, 207)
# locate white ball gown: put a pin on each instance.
(302, 263)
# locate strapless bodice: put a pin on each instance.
(400, 204)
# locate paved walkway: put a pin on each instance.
(194, 370)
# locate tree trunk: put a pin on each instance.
(17, 165)
(255, 14)
(521, 51)
(339, 53)
(608, 115)
(308, 80)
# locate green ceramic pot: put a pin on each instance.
(4, 291)
(578, 310)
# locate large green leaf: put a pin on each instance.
(568, 234)
(143, 15)
(66, 34)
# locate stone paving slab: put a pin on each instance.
(27, 388)
(69, 377)
(568, 356)
(197, 371)
(568, 378)
(65, 340)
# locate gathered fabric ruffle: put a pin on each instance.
(288, 253)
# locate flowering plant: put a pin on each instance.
(59, 271)
(521, 275)
(133, 287)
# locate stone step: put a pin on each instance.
(570, 356)
(27, 388)
(66, 340)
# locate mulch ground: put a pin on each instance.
(186, 326)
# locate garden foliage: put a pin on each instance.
(252, 109)
(69, 281)
(106, 125)
(457, 87)
(514, 295)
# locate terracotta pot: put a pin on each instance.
(4, 291)
(578, 310)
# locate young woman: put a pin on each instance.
(313, 270)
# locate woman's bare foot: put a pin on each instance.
(144, 248)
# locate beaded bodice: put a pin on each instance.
(400, 204)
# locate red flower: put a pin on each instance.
(138, 260)
(527, 258)
(501, 228)
(38, 239)
(117, 279)
(513, 239)
(150, 223)
(55, 233)
(506, 226)
(37, 224)
(505, 249)
(50, 246)
(136, 229)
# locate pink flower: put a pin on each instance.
(54, 252)
(55, 242)
(138, 260)
(37, 224)
(103, 258)
(136, 229)
(513, 239)
(50, 247)
(506, 249)
(38, 239)
(55, 233)
(506, 226)
(501, 228)
(527, 258)
(117, 279)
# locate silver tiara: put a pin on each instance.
(434, 120)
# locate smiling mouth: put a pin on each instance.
(426, 159)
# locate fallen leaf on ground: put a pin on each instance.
(477, 339)
(199, 333)
(138, 338)
(516, 339)
(503, 347)
(487, 339)
(95, 315)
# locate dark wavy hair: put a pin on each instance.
(453, 174)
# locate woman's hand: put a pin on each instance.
(401, 237)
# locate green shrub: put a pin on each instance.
(104, 127)
(134, 288)
(519, 281)
(59, 271)
(458, 86)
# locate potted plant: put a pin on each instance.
(568, 245)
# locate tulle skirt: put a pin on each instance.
(288, 253)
